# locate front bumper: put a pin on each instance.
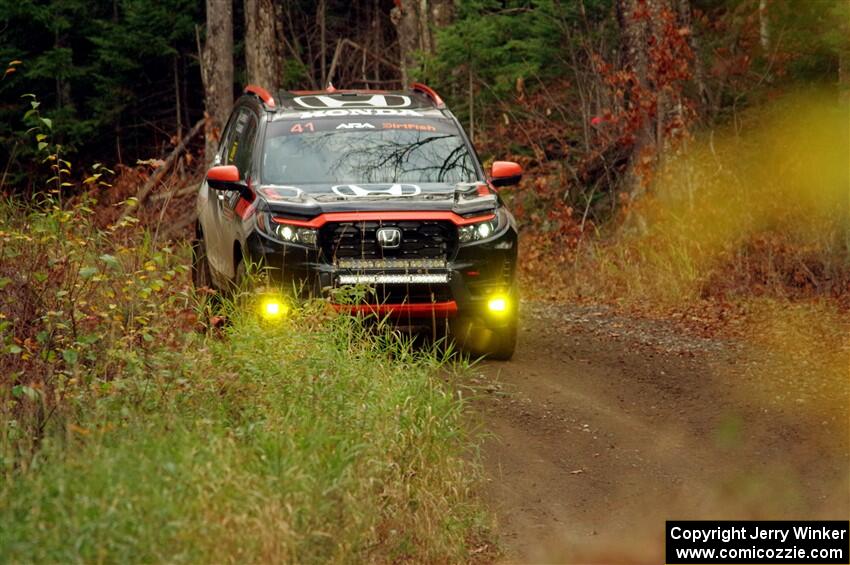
(447, 309)
(473, 275)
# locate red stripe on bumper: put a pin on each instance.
(426, 310)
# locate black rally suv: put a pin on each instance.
(371, 188)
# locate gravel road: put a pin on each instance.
(603, 426)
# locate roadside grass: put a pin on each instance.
(315, 439)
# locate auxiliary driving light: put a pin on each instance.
(272, 309)
(498, 304)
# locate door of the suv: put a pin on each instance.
(237, 148)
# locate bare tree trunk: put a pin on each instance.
(471, 105)
(177, 110)
(844, 58)
(634, 31)
(416, 22)
(376, 39)
(263, 48)
(218, 71)
(764, 27)
(640, 22)
(323, 40)
(405, 18)
(442, 14)
(685, 20)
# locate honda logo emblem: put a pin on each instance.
(389, 238)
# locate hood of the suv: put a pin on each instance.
(316, 199)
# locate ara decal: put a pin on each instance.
(355, 125)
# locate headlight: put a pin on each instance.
(295, 234)
(287, 233)
(482, 230)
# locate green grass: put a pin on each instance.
(312, 440)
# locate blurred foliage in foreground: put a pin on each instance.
(130, 432)
(764, 210)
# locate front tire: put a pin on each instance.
(503, 343)
(477, 338)
(240, 276)
(201, 275)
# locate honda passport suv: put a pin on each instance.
(376, 189)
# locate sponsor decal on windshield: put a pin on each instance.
(365, 124)
(408, 125)
(355, 125)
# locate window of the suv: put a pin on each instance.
(238, 141)
(361, 151)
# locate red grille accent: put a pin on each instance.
(322, 219)
(426, 310)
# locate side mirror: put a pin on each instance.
(226, 177)
(505, 173)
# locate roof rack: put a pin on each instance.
(429, 92)
(261, 93)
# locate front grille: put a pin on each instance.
(358, 240)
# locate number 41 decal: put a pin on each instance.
(299, 128)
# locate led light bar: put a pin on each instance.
(399, 264)
(395, 279)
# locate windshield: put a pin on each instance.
(339, 152)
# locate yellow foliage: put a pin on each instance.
(781, 171)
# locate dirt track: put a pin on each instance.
(603, 427)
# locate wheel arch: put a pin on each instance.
(238, 255)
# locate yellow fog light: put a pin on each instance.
(498, 305)
(272, 309)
